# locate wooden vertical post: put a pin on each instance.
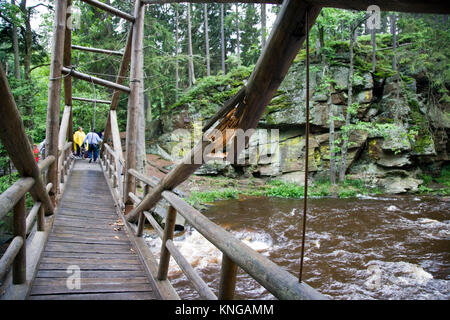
(54, 94)
(20, 229)
(141, 221)
(133, 102)
(67, 61)
(168, 235)
(40, 219)
(227, 283)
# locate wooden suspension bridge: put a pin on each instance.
(69, 225)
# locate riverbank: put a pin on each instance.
(202, 190)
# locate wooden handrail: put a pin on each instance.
(44, 164)
(110, 9)
(9, 255)
(202, 288)
(13, 194)
(278, 281)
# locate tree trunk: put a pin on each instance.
(54, 95)
(191, 59)
(177, 85)
(140, 143)
(343, 166)
(374, 48)
(394, 40)
(208, 67)
(15, 41)
(263, 25)
(331, 141)
(28, 39)
(222, 37)
(238, 40)
(321, 36)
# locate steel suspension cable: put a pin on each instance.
(305, 197)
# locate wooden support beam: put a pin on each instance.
(287, 37)
(91, 100)
(228, 274)
(54, 93)
(96, 50)
(108, 8)
(211, 1)
(414, 6)
(124, 64)
(133, 102)
(67, 62)
(88, 78)
(16, 143)
(169, 228)
(20, 230)
(227, 107)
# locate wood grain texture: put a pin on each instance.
(88, 233)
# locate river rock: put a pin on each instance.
(392, 160)
(340, 76)
(297, 177)
(364, 96)
(396, 185)
(338, 98)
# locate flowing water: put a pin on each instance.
(395, 247)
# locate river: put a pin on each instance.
(387, 247)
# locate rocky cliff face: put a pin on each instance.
(394, 134)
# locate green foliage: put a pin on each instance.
(197, 197)
(209, 94)
(284, 190)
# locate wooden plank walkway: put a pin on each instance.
(88, 233)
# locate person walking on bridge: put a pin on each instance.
(93, 141)
(78, 138)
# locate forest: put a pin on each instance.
(358, 127)
(197, 55)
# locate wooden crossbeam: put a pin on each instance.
(108, 8)
(88, 78)
(91, 100)
(417, 6)
(213, 1)
(96, 50)
(124, 64)
(281, 48)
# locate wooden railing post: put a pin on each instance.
(133, 102)
(141, 221)
(54, 94)
(227, 283)
(115, 175)
(40, 219)
(20, 229)
(168, 235)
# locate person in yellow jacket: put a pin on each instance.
(78, 138)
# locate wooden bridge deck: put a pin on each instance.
(88, 233)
